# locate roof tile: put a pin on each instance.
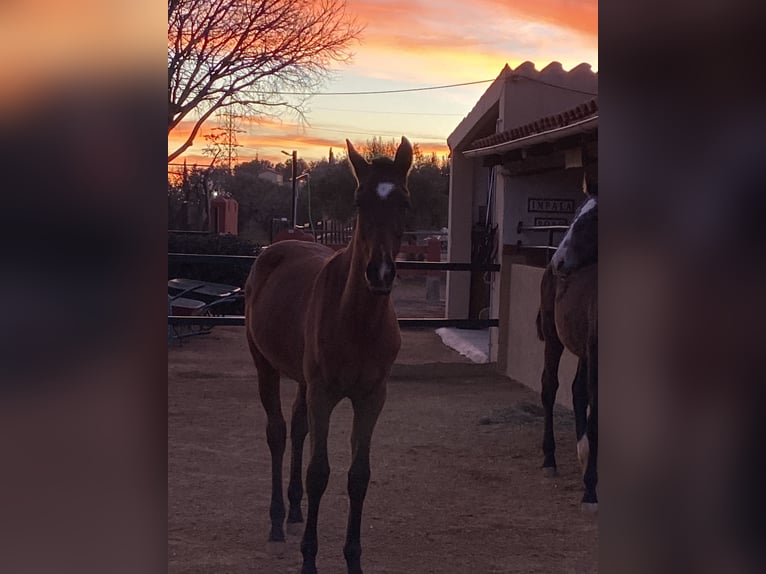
(546, 123)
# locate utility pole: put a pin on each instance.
(228, 124)
(295, 187)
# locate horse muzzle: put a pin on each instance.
(380, 277)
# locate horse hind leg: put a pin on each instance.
(276, 433)
(550, 384)
(298, 431)
(590, 476)
(580, 408)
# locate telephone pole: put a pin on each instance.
(294, 178)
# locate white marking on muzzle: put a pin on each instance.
(383, 270)
(384, 189)
(583, 449)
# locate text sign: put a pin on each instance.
(545, 205)
(551, 221)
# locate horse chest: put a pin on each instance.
(352, 362)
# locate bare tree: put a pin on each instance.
(250, 53)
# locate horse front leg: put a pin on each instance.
(366, 412)
(298, 431)
(550, 385)
(320, 407)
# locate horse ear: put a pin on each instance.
(359, 164)
(403, 159)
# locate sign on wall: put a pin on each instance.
(546, 205)
(551, 221)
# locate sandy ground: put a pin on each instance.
(456, 485)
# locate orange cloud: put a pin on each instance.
(578, 15)
(266, 137)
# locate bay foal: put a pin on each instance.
(325, 319)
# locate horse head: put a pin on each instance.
(382, 199)
(579, 247)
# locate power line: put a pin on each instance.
(387, 112)
(427, 88)
(575, 90)
(376, 92)
(392, 134)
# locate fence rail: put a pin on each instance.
(550, 229)
(424, 265)
(239, 320)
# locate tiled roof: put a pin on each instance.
(581, 112)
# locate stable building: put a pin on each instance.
(518, 161)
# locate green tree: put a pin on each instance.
(332, 190)
(260, 200)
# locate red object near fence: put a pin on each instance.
(223, 215)
(429, 252)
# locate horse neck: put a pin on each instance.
(357, 297)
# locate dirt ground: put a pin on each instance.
(456, 481)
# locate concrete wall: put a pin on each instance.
(459, 248)
(524, 352)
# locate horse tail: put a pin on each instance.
(539, 322)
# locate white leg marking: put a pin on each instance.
(583, 448)
(384, 189)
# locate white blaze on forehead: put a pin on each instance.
(384, 189)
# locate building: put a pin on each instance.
(518, 162)
(271, 175)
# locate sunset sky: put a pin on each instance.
(419, 43)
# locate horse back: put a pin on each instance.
(276, 294)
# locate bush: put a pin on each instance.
(211, 244)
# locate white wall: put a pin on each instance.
(525, 352)
(527, 101)
(459, 246)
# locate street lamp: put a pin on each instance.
(295, 183)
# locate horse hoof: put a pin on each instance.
(308, 569)
(294, 529)
(589, 507)
(295, 516)
(277, 535)
(550, 472)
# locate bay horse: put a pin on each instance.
(325, 319)
(568, 318)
